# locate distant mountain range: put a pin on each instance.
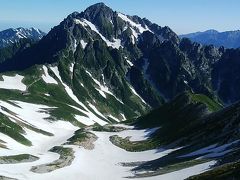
(228, 39)
(10, 36)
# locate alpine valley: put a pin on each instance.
(107, 96)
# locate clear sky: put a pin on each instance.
(183, 16)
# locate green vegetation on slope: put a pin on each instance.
(228, 171)
(13, 130)
(211, 104)
(65, 159)
(134, 146)
(20, 158)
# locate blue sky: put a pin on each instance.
(183, 16)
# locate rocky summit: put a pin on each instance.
(105, 95)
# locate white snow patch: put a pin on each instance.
(84, 120)
(124, 118)
(114, 118)
(116, 42)
(103, 88)
(83, 43)
(134, 92)
(92, 117)
(13, 82)
(137, 135)
(136, 29)
(47, 78)
(139, 27)
(78, 21)
(134, 35)
(129, 62)
(96, 111)
(71, 67)
(74, 45)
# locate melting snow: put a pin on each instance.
(103, 88)
(129, 62)
(92, 117)
(114, 118)
(69, 91)
(104, 156)
(35, 115)
(134, 92)
(13, 82)
(137, 29)
(71, 67)
(74, 45)
(85, 23)
(96, 111)
(124, 118)
(137, 135)
(84, 120)
(140, 28)
(47, 78)
(83, 43)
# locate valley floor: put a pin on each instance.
(102, 162)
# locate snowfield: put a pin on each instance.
(13, 82)
(104, 160)
(34, 115)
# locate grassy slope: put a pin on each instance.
(172, 118)
(13, 130)
(36, 93)
(228, 171)
(187, 122)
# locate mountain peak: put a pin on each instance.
(13, 35)
(211, 31)
(97, 9)
(100, 5)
